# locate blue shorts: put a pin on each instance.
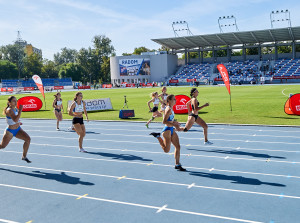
(14, 131)
(166, 128)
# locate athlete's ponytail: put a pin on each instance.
(8, 101)
(192, 92)
(76, 95)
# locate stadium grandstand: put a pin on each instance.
(28, 84)
(274, 68)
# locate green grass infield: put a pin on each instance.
(259, 104)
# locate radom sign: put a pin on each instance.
(30, 103)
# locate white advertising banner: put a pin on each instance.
(95, 104)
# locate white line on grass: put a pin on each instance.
(129, 203)
(155, 164)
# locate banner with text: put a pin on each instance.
(132, 67)
(95, 104)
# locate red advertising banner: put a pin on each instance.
(149, 85)
(10, 89)
(190, 80)
(84, 87)
(106, 86)
(288, 77)
(223, 71)
(58, 87)
(130, 85)
(3, 89)
(30, 103)
(28, 88)
(180, 106)
(173, 81)
(39, 83)
(295, 104)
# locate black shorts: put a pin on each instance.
(154, 109)
(77, 120)
(58, 110)
(193, 115)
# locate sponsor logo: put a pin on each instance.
(180, 106)
(30, 103)
(298, 108)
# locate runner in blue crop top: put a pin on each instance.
(14, 130)
(168, 133)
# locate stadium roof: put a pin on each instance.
(234, 38)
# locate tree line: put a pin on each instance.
(92, 63)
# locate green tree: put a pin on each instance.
(164, 48)
(33, 64)
(10, 53)
(252, 51)
(126, 54)
(73, 70)
(65, 56)
(284, 49)
(49, 69)
(8, 70)
(140, 50)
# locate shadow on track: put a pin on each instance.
(62, 177)
(120, 156)
(238, 152)
(234, 179)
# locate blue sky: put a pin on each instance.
(53, 24)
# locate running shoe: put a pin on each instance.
(147, 125)
(179, 167)
(26, 159)
(208, 143)
(57, 129)
(156, 135)
(82, 150)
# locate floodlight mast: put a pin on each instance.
(180, 26)
(228, 21)
(280, 16)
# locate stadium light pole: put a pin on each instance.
(180, 26)
(227, 21)
(280, 16)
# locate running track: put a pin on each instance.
(249, 174)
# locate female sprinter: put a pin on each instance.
(155, 113)
(58, 107)
(76, 110)
(168, 132)
(163, 96)
(14, 130)
(193, 115)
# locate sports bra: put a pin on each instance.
(193, 106)
(165, 97)
(58, 103)
(9, 120)
(78, 108)
(156, 101)
(172, 116)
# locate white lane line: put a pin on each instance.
(155, 164)
(7, 221)
(156, 181)
(162, 208)
(129, 203)
(183, 154)
(141, 125)
(136, 142)
(181, 133)
(192, 185)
